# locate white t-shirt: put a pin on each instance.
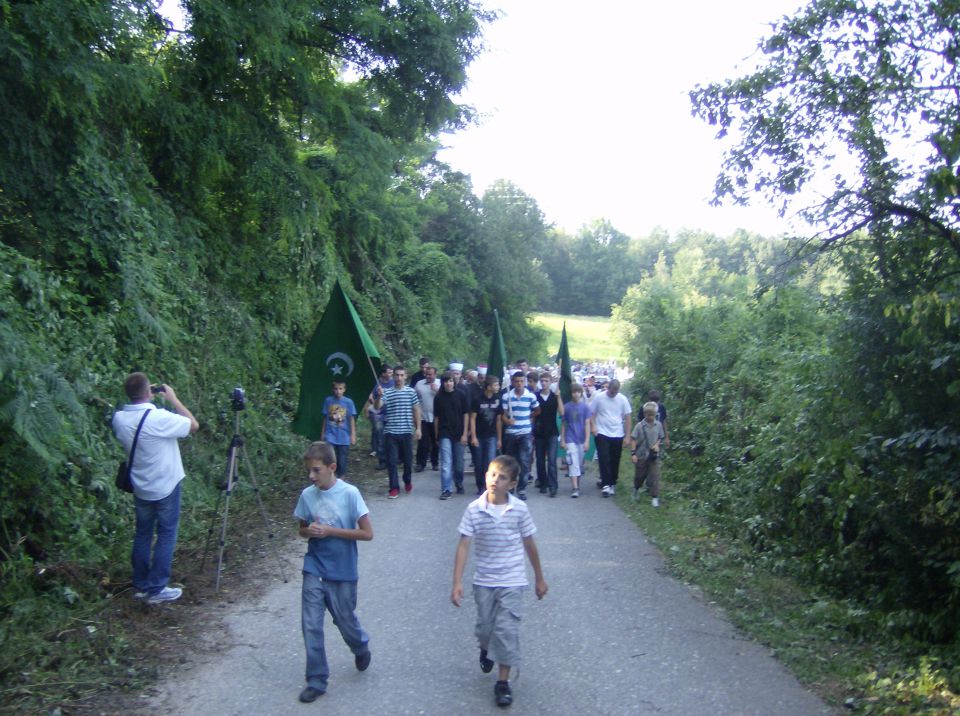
(157, 468)
(608, 413)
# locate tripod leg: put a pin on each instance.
(263, 514)
(231, 480)
(213, 520)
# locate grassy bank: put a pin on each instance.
(835, 647)
(590, 337)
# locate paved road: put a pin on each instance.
(613, 636)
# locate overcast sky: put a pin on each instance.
(585, 107)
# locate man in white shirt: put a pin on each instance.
(428, 446)
(610, 424)
(156, 472)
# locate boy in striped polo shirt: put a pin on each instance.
(401, 427)
(503, 530)
(515, 429)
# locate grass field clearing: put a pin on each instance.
(591, 338)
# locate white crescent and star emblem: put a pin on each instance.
(338, 362)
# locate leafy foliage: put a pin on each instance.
(857, 102)
(179, 200)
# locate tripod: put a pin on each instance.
(233, 454)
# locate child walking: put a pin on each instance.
(503, 530)
(340, 424)
(575, 436)
(645, 453)
(333, 517)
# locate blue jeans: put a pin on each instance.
(521, 448)
(343, 453)
(488, 451)
(547, 453)
(151, 574)
(451, 464)
(340, 598)
(399, 447)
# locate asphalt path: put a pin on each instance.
(615, 634)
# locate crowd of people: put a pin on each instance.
(440, 419)
(506, 424)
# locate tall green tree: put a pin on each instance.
(858, 103)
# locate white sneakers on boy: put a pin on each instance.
(655, 502)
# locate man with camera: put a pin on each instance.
(156, 472)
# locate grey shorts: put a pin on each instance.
(499, 612)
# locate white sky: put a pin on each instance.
(585, 109)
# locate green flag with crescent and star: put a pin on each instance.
(498, 353)
(563, 360)
(340, 349)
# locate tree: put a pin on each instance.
(859, 102)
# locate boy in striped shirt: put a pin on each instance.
(503, 530)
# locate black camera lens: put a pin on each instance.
(157, 389)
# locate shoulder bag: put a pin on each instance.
(123, 472)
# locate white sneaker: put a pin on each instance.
(167, 594)
(605, 490)
(612, 490)
(655, 502)
(139, 595)
(575, 493)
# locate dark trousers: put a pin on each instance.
(545, 452)
(609, 451)
(399, 447)
(520, 447)
(427, 448)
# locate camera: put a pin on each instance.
(652, 455)
(238, 399)
(157, 389)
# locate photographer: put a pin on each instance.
(156, 473)
(646, 438)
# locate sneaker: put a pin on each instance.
(553, 493)
(139, 595)
(167, 594)
(445, 495)
(486, 665)
(503, 694)
(310, 694)
(605, 491)
(373, 454)
(612, 490)
(522, 496)
(407, 487)
(362, 661)
(636, 494)
(419, 468)
(394, 493)
(575, 493)
(600, 484)
(655, 502)
(459, 489)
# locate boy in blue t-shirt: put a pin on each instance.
(333, 517)
(340, 424)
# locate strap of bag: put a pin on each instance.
(133, 448)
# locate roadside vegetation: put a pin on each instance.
(838, 647)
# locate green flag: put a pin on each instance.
(340, 349)
(498, 353)
(563, 359)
